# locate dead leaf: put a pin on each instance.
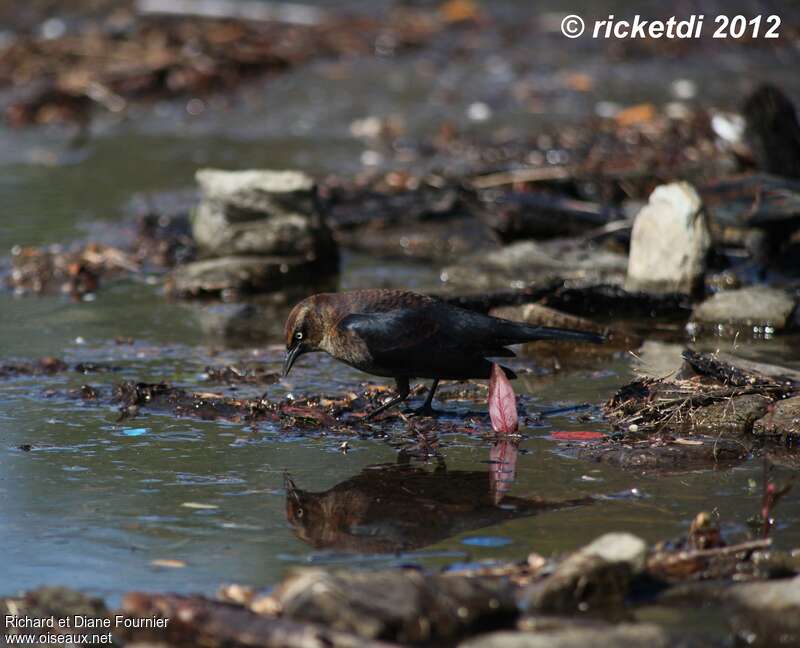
(579, 81)
(577, 436)
(502, 403)
(455, 11)
(638, 114)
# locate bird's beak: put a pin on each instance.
(291, 355)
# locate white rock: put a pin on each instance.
(259, 212)
(670, 242)
(222, 185)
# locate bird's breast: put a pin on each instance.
(352, 350)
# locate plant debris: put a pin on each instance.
(133, 57)
(674, 406)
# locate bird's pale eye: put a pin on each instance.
(298, 336)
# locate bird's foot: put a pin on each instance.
(425, 410)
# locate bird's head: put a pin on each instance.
(303, 331)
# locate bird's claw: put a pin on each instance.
(425, 411)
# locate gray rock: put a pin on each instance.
(596, 576)
(260, 212)
(669, 242)
(241, 274)
(619, 548)
(530, 262)
(784, 419)
(626, 635)
(733, 417)
(703, 452)
(755, 306)
(767, 613)
(406, 606)
(218, 235)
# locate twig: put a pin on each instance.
(664, 560)
(536, 174)
(750, 545)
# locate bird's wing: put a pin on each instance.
(413, 334)
(420, 343)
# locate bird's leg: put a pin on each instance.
(427, 409)
(403, 391)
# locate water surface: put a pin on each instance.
(96, 501)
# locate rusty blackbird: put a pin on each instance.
(404, 335)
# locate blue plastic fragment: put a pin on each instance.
(487, 541)
(134, 432)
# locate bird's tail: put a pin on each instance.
(517, 333)
(550, 333)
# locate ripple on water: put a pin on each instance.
(190, 479)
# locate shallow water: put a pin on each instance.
(95, 502)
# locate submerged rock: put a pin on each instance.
(669, 242)
(755, 306)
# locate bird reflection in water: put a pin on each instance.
(402, 507)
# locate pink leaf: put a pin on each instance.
(503, 470)
(577, 436)
(502, 403)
